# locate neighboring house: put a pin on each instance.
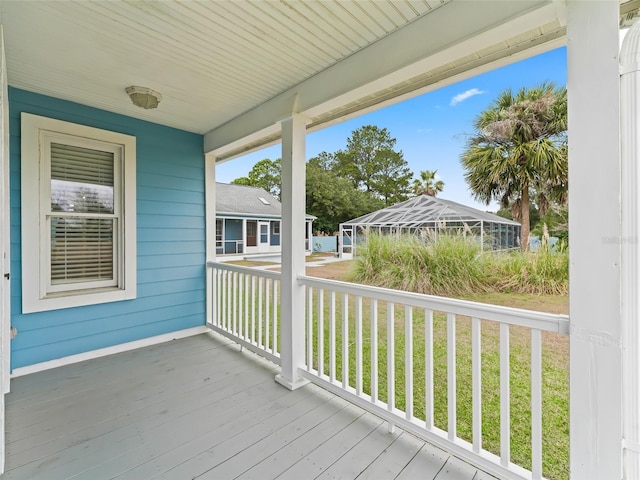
(248, 221)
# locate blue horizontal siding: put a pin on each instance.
(171, 248)
(170, 240)
(169, 221)
(151, 261)
(166, 235)
(163, 274)
(163, 306)
(170, 286)
(170, 208)
(170, 183)
(44, 353)
(160, 195)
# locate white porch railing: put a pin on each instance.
(362, 344)
(245, 307)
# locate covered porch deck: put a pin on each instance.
(198, 407)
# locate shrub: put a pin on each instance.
(453, 265)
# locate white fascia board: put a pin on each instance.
(454, 30)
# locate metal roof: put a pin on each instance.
(242, 200)
(425, 209)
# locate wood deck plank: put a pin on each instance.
(70, 378)
(164, 448)
(357, 459)
(261, 440)
(455, 469)
(295, 450)
(198, 408)
(428, 463)
(153, 387)
(160, 411)
(393, 459)
(312, 463)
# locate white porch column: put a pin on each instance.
(595, 235)
(210, 233)
(630, 150)
(293, 248)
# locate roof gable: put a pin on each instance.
(242, 199)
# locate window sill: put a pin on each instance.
(76, 298)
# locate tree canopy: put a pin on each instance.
(266, 174)
(518, 151)
(332, 198)
(367, 175)
(371, 164)
(427, 184)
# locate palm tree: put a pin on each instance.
(519, 151)
(427, 184)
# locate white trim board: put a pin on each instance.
(103, 352)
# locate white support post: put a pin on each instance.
(5, 257)
(210, 232)
(293, 251)
(595, 236)
(630, 151)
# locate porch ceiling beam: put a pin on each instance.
(453, 31)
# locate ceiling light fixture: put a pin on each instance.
(143, 97)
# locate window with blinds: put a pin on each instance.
(80, 238)
(82, 217)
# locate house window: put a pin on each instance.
(219, 235)
(275, 228)
(78, 215)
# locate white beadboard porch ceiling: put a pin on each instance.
(232, 67)
(210, 60)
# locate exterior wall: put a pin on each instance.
(233, 231)
(170, 241)
(325, 244)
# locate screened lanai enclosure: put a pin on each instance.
(429, 218)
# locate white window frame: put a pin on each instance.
(37, 293)
(276, 226)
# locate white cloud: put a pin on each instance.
(461, 97)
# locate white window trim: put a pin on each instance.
(34, 192)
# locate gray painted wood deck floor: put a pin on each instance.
(198, 408)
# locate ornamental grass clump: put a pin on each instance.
(450, 265)
(542, 272)
(454, 265)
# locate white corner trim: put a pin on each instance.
(103, 352)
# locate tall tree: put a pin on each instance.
(266, 174)
(427, 183)
(518, 151)
(371, 164)
(333, 199)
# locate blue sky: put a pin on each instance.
(430, 129)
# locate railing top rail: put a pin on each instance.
(513, 316)
(258, 272)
